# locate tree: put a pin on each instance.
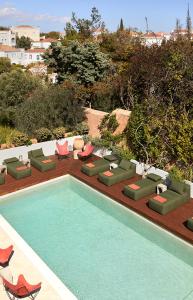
(15, 87)
(188, 24)
(85, 27)
(83, 63)
(23, 42)
(50, 107)
(5, 65)
(53, 35)
(121, 26)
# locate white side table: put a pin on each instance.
(3, 169)
(26, 162)
(161, 188)
(113, 166)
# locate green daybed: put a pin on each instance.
(125, 170)
(177, 194)
(99, 165)
(189, 223)
(40, 161)
(16, 168)
(2, 178)
(143, 187)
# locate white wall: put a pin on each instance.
(48, 149)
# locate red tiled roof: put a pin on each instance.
(8, 48)
(35, 50)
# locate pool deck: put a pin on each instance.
(173, 221)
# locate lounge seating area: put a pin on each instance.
(103, 174)
(16, 168)
(40, 161)
(176, 195)
(143, 187)
(125, 170)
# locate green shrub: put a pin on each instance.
(19, 139)
(5, 134)
(43, 134)
(176, 173)
(123, 153)
(81, 128)
(59, 133)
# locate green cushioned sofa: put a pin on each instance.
(125, 170)
(147, 186)
(37, 157)
(2, 178)
(12, 168)
(100, 165)
(176, 195)
(189, 223)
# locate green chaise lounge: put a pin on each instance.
(40, 161)
(99, 165)
(16, 168)
(189, 223)
(2, 178)
(177, 194)
(143, 187)
(125, 170)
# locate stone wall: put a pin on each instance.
(94, 118)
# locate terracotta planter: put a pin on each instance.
(78, 144)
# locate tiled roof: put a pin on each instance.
(9, 48)
(40, 50)
(24, 26)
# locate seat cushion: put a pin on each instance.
(37, 153)
(126, 164)
(177, 186)
(10, 160)
(153, 177)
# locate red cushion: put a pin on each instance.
(108, 173)
(90, 165)
(160, 199)
(21, 168)
(134, 186)
(46, 161)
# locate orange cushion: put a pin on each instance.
(134, 186)
(90, 165)
(108, 173)
(46, 161)
(21, 168)
(160, 199)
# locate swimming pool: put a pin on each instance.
(98, 248)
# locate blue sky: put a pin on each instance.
(52, 15)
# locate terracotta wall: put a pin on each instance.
(94, 118)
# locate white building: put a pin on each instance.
(28, 31)
(180, 32)
(7, 37)
(155, 38)
(44, 43)
(33, 56)
(20, 56)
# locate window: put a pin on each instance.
(30, 57)
(38, 57)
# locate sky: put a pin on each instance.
(52, 15)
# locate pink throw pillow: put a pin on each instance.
(90, 165)
(108, 173)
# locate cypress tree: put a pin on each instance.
(188, 24)
(121, 27)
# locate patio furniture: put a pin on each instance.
(87, 152)
(5, 256)
(143, 187)
(94, 168)
(22, 289)
(189, 223)
(16, 168)
(2, 178)
(176, 195)
(125, 170)
(62, 150)
(40, 161)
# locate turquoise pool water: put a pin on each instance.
(98, 248)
